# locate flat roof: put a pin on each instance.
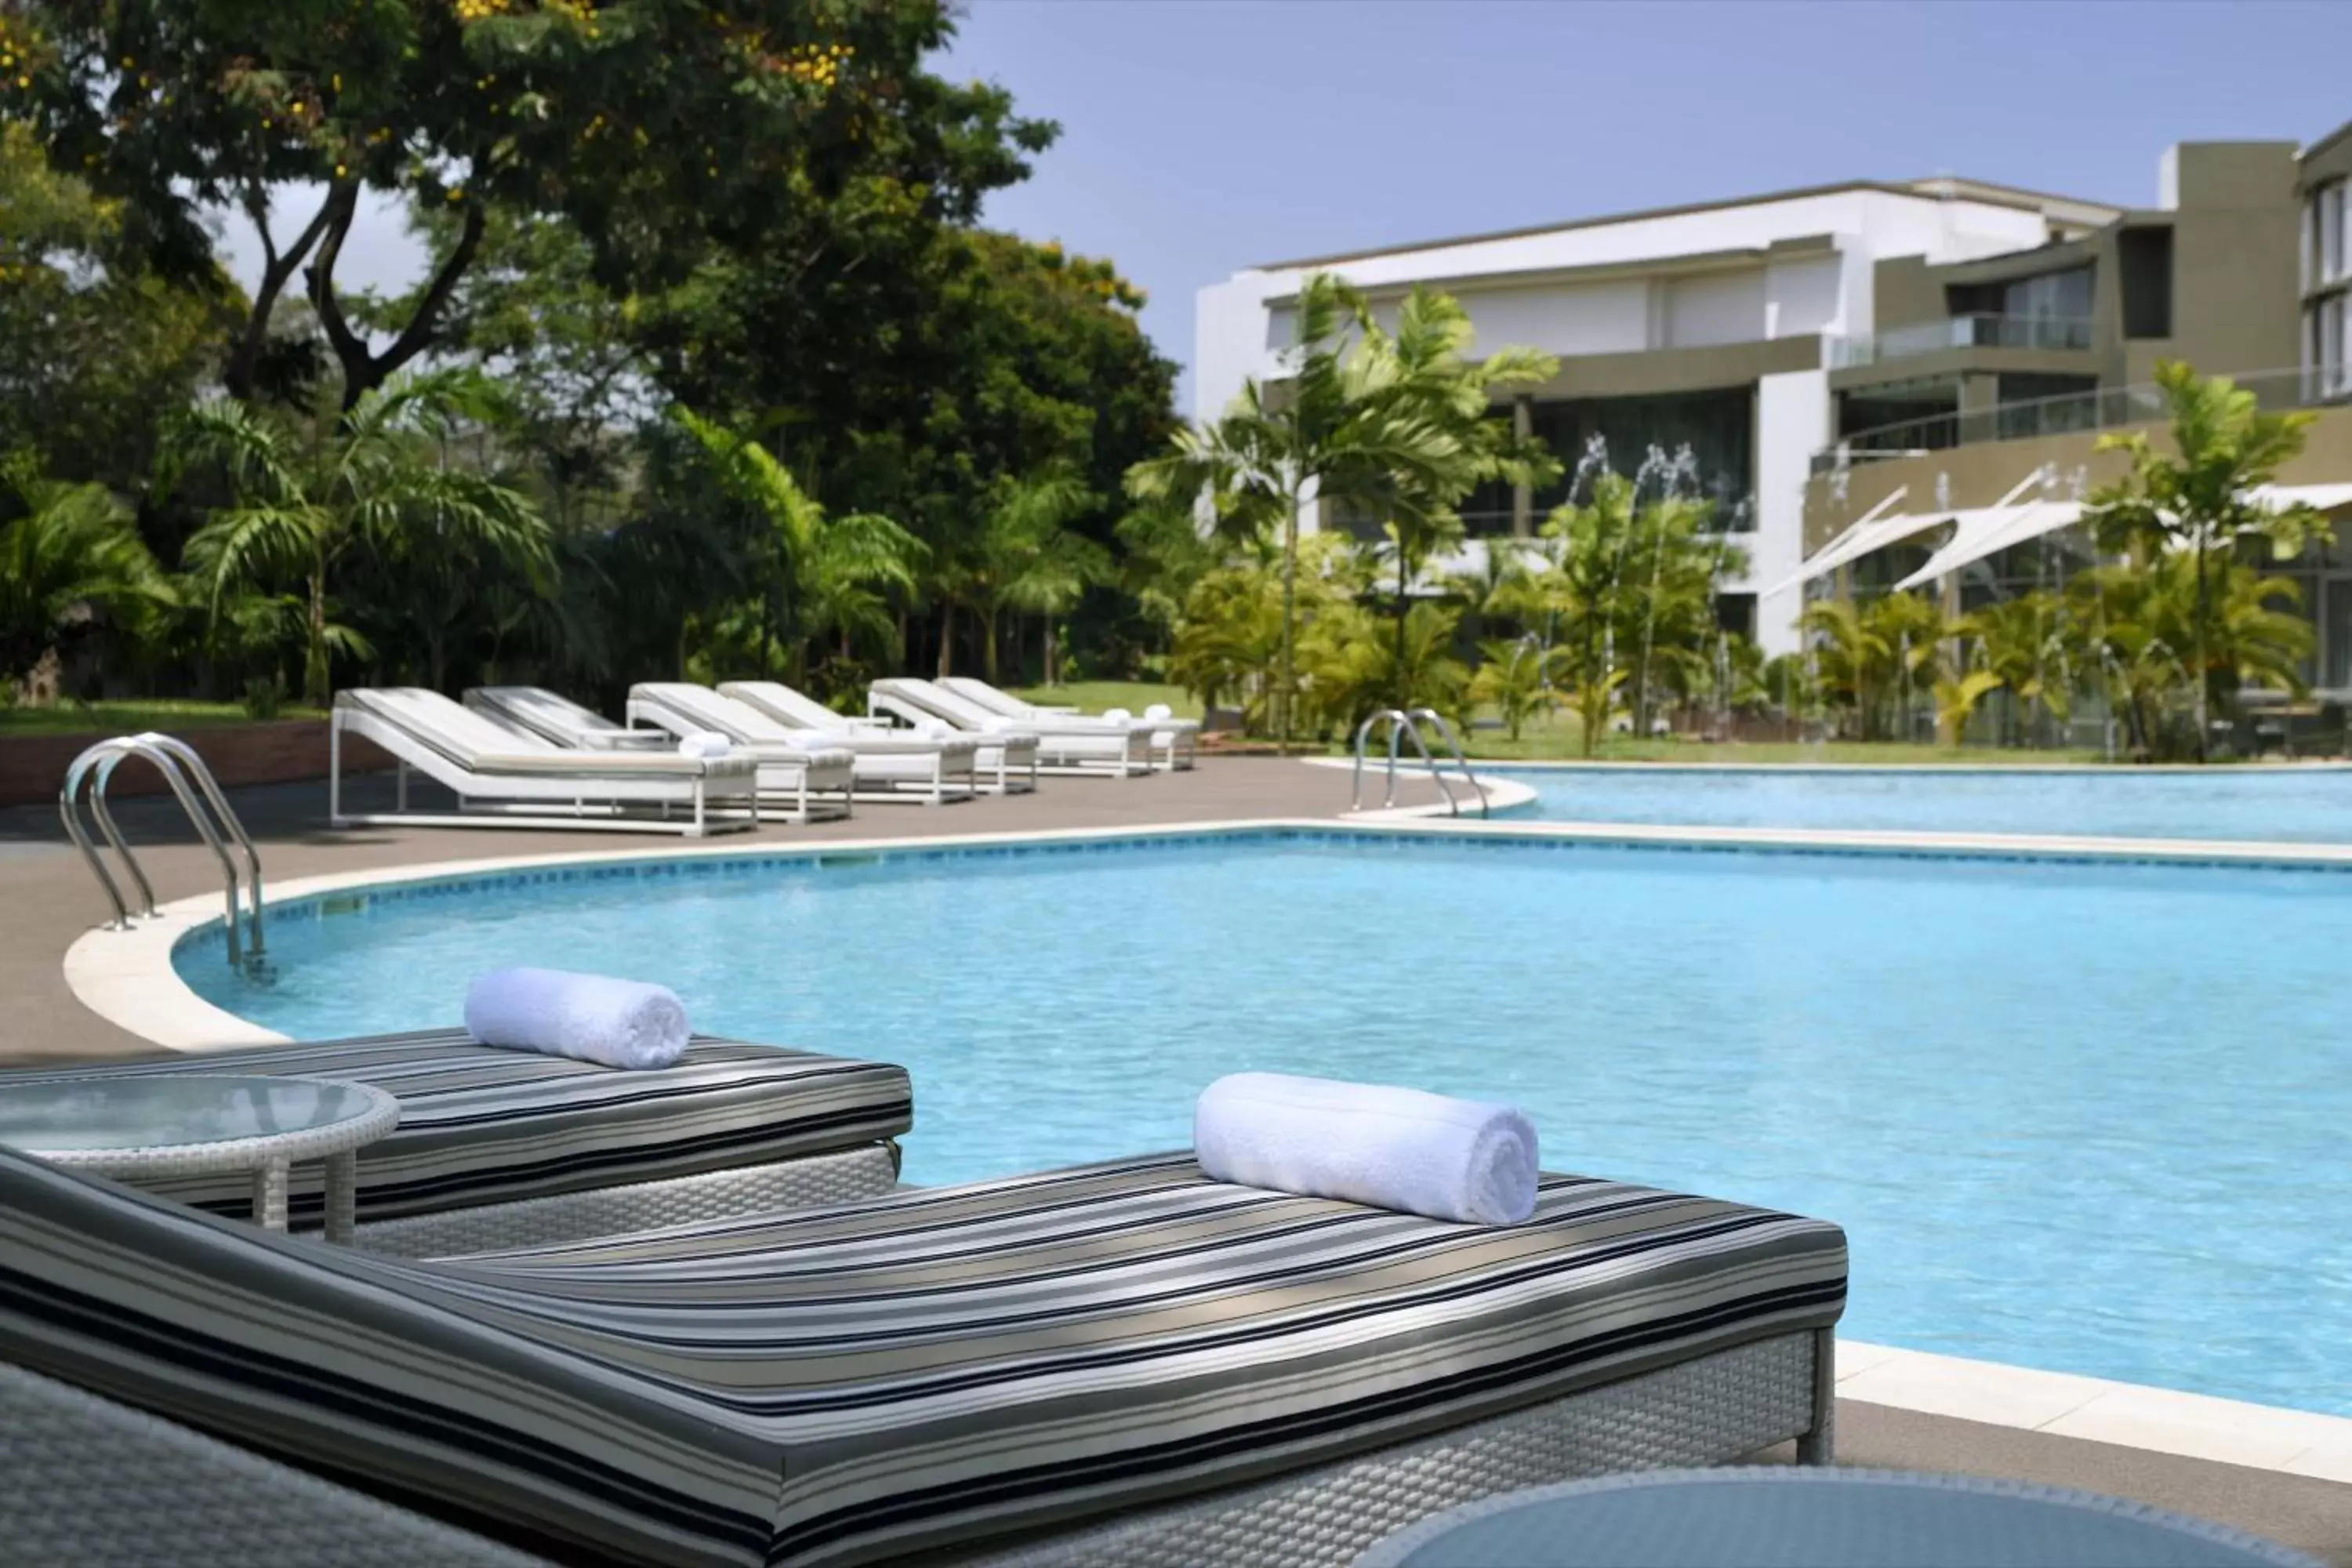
(1985, 190)
(2330, 140)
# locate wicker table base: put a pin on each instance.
(200, 1125)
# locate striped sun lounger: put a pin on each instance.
(501, 1147)
(1119, 1363)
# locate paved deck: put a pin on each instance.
(47, 899)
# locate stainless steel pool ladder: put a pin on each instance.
(1405, 724)
(207, 808)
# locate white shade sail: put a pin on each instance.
(1871, 532)
(2326, 498)
(1990, 529)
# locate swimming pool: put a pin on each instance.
(2074, 1116)
(2301, 805)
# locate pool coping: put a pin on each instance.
(128, 978)
(1931, 769)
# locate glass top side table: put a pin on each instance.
(206, 1125)
(1785, 1516)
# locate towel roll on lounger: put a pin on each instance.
(1116, 715)
(1391, 1148)
(705, 743)
(588, 1017)
(1159, 710)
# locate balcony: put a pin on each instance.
(1970, 331)
(2106, 409)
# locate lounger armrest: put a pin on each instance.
(628, 741)
(606, 764)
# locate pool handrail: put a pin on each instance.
(1404, 725)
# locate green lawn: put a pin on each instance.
(119, 718)
(1094, 696)
(1554, 739)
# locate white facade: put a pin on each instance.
(1791, 266)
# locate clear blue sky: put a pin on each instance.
(1200, 136)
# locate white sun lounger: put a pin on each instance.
(518, 781)
(561, 721)
(814, 778)
(1174, 739)
(925, 769)
(1000, 765)
(1092, 747)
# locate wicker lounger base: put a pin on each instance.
(869, 1171)
(1705, 1412)
(94, 1482)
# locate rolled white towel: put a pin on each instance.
(1391, 1147)
(1159, 710)
(588, 1017)
(705, 743)
(934, 729)
(1117, 716)
(993, 726)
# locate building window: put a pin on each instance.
(2145, 267)
(1901, 416)
(2325, 373)
(2064, 295)
(2328, 217)
(1718, 426)
(2035, 405)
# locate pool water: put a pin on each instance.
(2302, 804)
(2087, 1118)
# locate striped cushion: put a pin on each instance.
(851, 1386)
(478, 1125)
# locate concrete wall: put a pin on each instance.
(2234, 284)
(285, 751)
(1792, 422)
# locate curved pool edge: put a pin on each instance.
(129, 978)
(1927, 770)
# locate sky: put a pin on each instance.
(1199, 137)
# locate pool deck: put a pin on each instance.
(2277, 1473)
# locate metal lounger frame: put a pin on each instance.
(598, 804)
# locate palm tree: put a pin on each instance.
(1588, 548)
(1164, 553)
(1027, 557)
(1955, 701)
(2022, 642)
(1500, 582)
(74, 549)
(1513, 678)
(2139, 626)
(818, 575)
(377, 476)
(2203, 500)
(1355, 672)
(1396, 428)
(1882, 653)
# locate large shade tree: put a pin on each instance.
(660, 129)
(96, 348)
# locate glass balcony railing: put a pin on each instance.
(2104, 408)
(1974, 331)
